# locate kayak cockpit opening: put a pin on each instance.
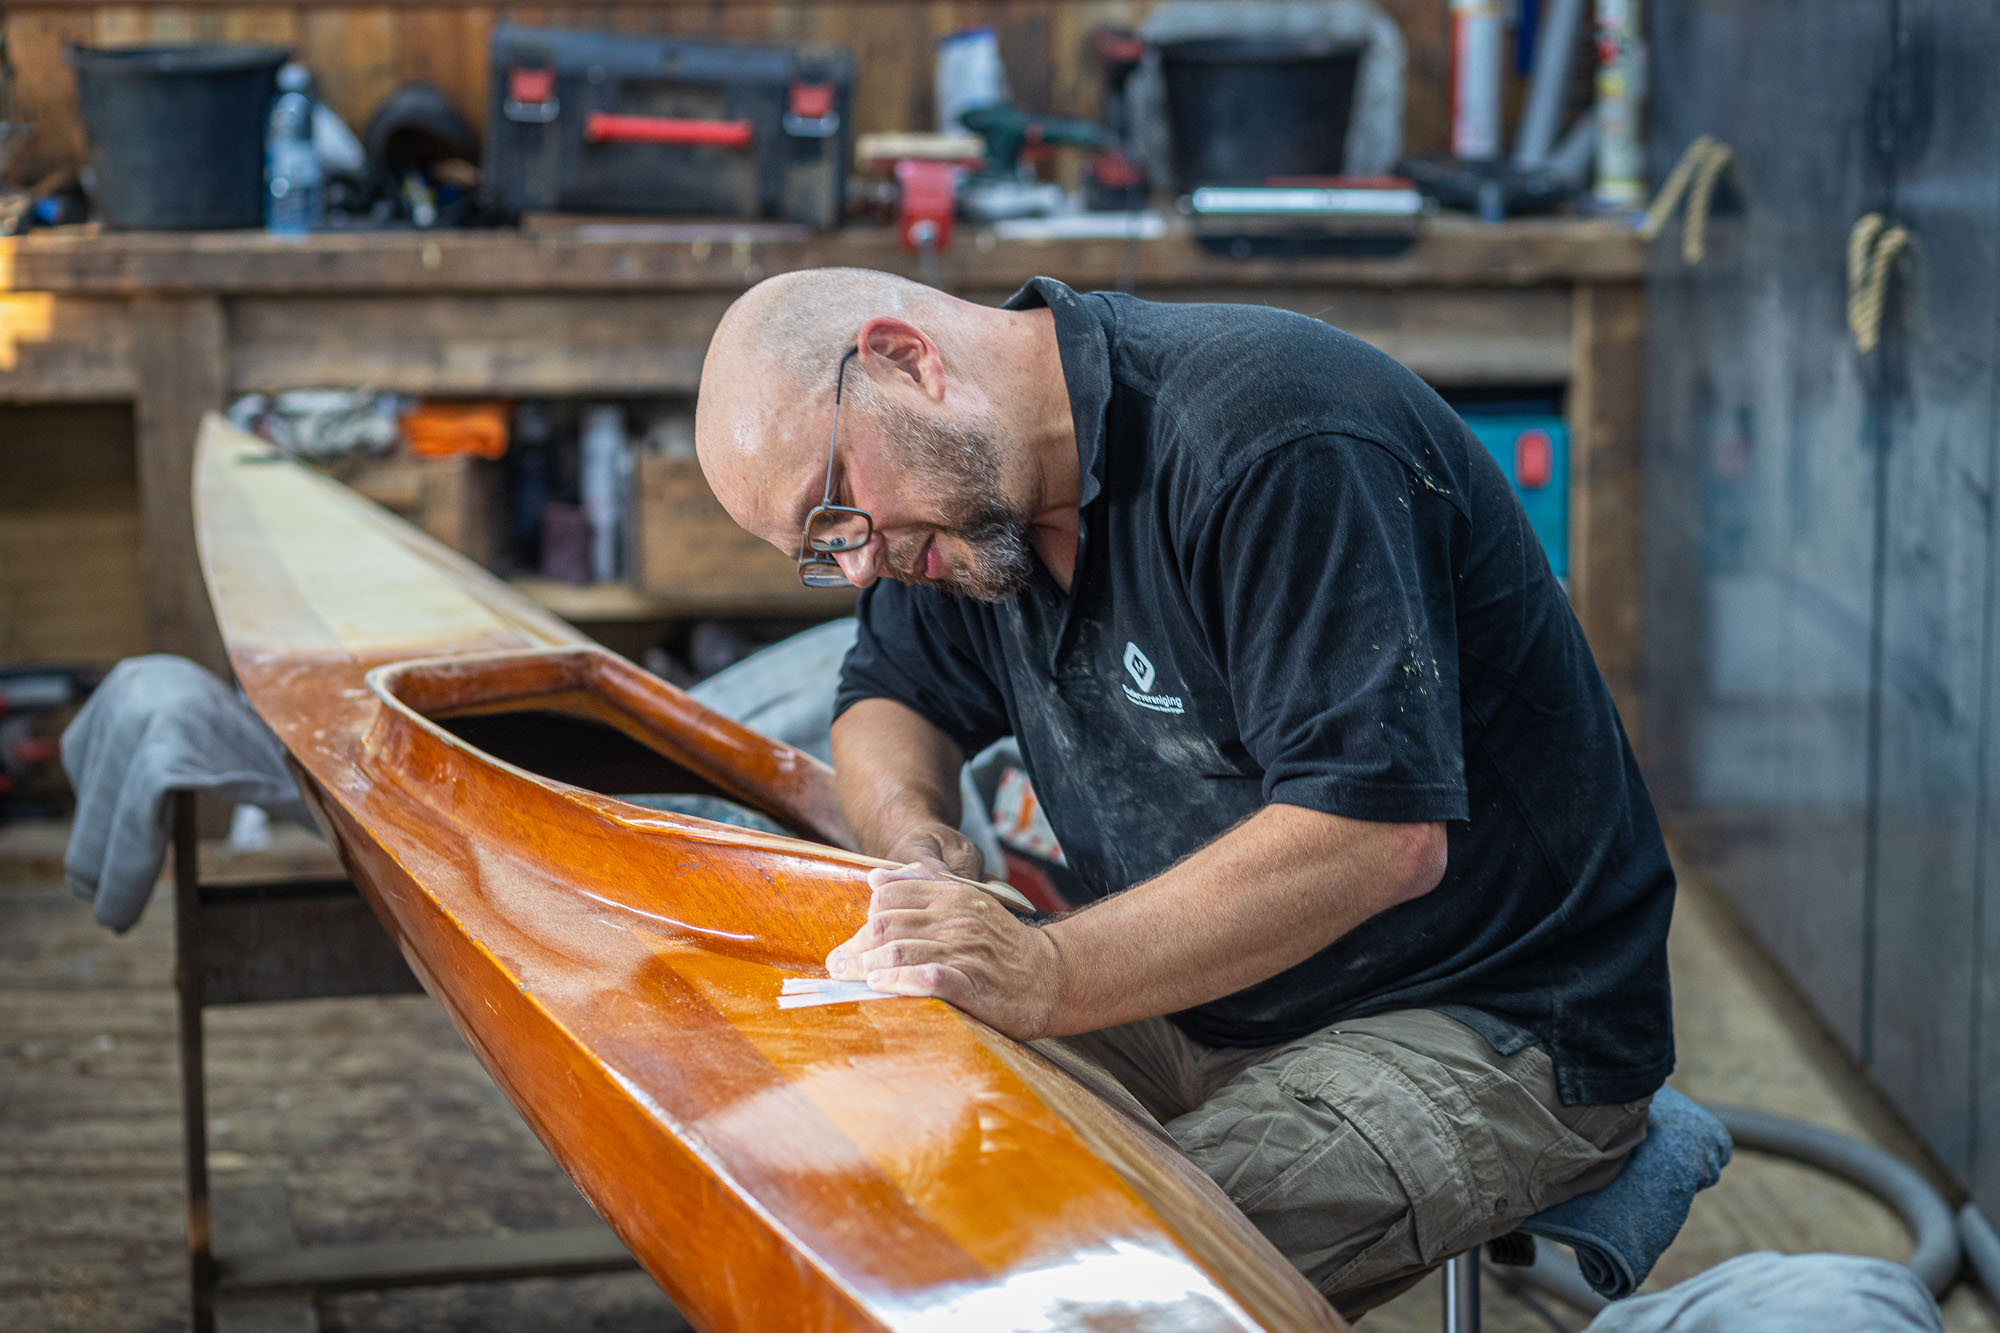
(590, 719)
(574, 748)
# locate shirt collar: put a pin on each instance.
(1085, 349)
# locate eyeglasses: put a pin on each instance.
(830, 528)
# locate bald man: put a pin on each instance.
(1377, 900)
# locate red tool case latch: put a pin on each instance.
(531, 96)
(809, 111)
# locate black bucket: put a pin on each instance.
(177, 132)
(1245, 109)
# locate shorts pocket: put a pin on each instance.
(1406, 1114)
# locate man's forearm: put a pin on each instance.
(895, 773)
(1265, 896)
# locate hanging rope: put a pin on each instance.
(1694, 228)
(1694, 178)
(1676, 185)
(1873, 247)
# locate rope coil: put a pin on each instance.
(1873, 248)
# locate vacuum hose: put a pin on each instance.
(1982, 1247)
(1923, 1210)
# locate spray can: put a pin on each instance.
(602, 483)
(1478, 40)
(1621, 77)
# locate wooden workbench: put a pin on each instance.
(177, 324)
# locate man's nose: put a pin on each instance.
(860, 564)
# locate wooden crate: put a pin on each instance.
(688, 545)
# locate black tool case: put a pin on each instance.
(597, 122)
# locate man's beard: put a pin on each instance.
(957, 463)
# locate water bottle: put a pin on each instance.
(294, 184)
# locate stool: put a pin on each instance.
(240, 943)
(1620, 1230)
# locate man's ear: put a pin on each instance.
(897, 349)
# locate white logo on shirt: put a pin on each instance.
(1139, 665)
(1142, 671)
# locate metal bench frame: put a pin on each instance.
(310, 938)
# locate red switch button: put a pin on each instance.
(1534, 460)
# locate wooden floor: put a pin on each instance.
(365, 1119)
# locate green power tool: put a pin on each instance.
(1005, 186)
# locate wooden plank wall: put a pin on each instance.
(361, 52)
(70, 577)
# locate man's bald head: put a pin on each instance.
(767, 383)
(798, 324)
(930, 440)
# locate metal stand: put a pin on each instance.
(294, 940)
(1461, 1292)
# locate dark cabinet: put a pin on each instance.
(1822, 558)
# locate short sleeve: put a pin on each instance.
(916, 648)
(1323, 577)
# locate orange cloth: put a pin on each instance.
(445, 429)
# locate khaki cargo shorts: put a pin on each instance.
(1368, 1153)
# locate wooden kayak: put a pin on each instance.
(893, 1164)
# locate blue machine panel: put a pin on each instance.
(1532, 448)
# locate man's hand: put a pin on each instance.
(931, 936)
(942, 847)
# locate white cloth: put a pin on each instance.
(1782, 1293)
(158, 725)
(786, 691)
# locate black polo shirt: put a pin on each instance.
(1302, 580)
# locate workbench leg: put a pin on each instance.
(194, 1100)
(1607, 524)
(180, 351)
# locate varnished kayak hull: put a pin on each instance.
(884, 1165)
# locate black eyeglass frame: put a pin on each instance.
(817, 567)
